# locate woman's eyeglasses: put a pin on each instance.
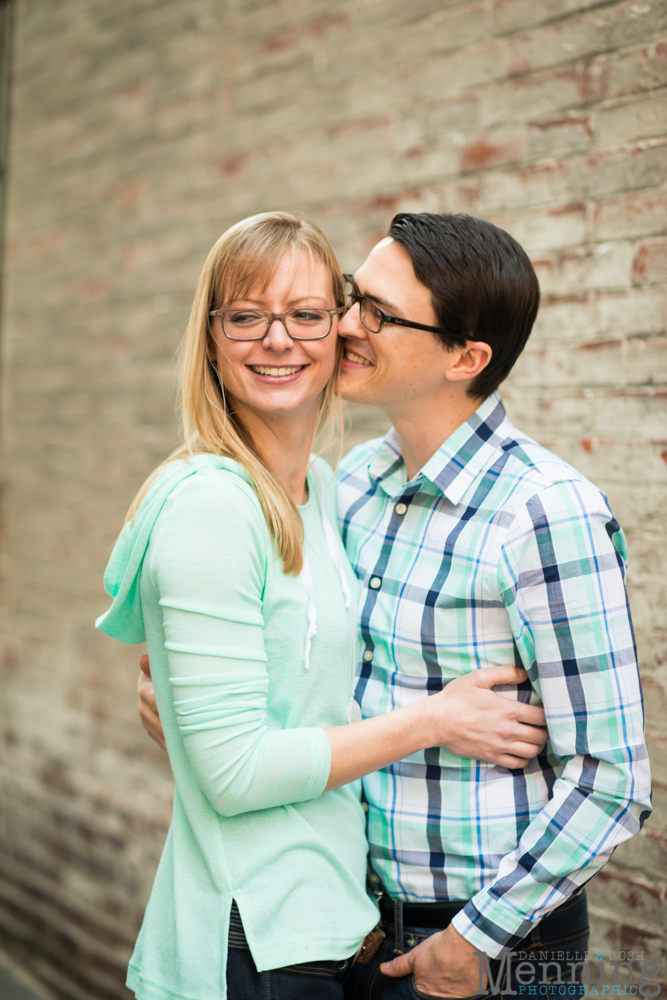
(303, 323)
(311, 323)
(374, 318)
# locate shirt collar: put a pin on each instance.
(470, 450)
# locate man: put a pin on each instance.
(472, 543)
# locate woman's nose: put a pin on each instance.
(277, 338)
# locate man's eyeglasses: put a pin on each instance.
(303, 323)
(374, 318)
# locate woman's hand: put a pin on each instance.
(475, 721)
(467, 718)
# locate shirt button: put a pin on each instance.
(376, 582)
(364, 806)
(400, 508)
(368, 655)
(375, 878)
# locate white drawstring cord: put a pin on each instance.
(307, 580)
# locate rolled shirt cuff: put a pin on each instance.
(495, 930)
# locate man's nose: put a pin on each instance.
(277, 338)
(350, 325)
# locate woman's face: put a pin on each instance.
(278, 376)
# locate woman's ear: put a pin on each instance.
(472, 359)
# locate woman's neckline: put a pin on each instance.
(309, 487)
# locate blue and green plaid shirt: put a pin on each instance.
(496, 552)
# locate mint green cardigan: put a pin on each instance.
(197, 576)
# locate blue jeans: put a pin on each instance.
(551, 950)
(310, 981)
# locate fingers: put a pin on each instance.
(146, 694)
(532, 715)
(513, 763)
(148, 709)
(151, 723)
(518, 754)
(505, 674)
(148, 712)
(532, 718)
(524, 750)
(401, 966)
(144, 665)
(535, 735)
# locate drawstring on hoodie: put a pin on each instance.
(307, 579)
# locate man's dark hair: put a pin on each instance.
(482, 283)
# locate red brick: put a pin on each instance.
(630, 216)
(638, 69)
(517, 15)
(548, 228)
(643, 117)
(605, 265)
(649, 266)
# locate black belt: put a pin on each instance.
(437, 915)
(433, 915)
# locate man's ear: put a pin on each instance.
(469, 361)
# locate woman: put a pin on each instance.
(230, 569)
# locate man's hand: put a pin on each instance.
(487, 725)
(443, 966)
(148, 712)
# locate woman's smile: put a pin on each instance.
(278, 375)
(253, 371)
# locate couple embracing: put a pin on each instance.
(444, 618)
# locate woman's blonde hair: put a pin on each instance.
(244, 256)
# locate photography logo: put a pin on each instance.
(547, 973)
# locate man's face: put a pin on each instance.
(393, 367)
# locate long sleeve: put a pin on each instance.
(561, 577)
(208, 561)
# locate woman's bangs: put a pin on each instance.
(252, 265)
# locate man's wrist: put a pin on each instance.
(478, 940)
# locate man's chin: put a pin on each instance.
(356, 390)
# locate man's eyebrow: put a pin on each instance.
(389, 306)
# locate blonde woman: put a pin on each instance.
(230, 568)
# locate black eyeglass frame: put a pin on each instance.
(387, 317)
(272, 317)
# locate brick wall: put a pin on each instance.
(139, 131)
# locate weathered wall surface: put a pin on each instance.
(139, 132)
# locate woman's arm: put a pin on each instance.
(487, 726)
(467, 718)
(207, 563)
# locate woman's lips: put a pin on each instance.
(277, 374)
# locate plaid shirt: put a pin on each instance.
(496, 552)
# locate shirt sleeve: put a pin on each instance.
(561, 575)
(208, 558)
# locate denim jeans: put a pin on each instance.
(310, 981)
(550, 950)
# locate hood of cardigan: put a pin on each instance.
(124, 619)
